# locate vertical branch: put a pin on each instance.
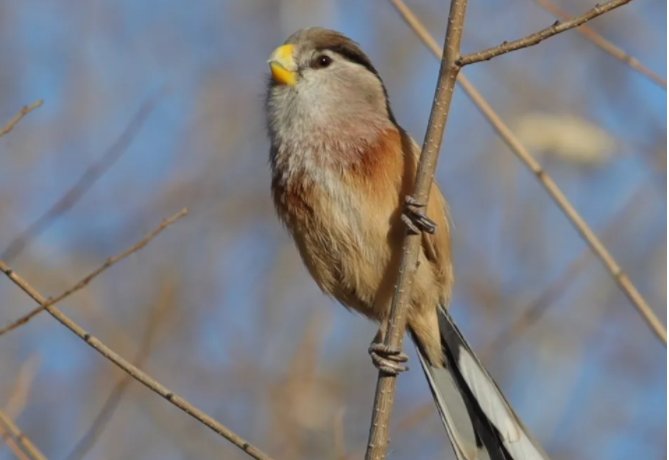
(546, 181)
(448, 73)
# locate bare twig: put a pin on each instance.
(136, 373)
(24, 111)
(11, 443)
(604, 44)
(88, 278)
(538, 37)
(12, 433)
(105, 414)
(448, 73)
(546, 181)
(85, 182)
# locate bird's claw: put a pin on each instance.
(414, 217)
(388, 359)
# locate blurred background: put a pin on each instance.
(153, 106)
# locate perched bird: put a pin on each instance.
(342, 173)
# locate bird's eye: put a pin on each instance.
(322, 61)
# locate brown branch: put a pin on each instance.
(18, 440)
(11, 443)
(90, 437)
(88, 278)
(24, 111)
(604, 44)
(546, 181)
(132, 370)
(448, 73)
(85, 182)
(538, 37)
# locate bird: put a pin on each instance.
(343, 171)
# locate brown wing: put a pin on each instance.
(436, 247)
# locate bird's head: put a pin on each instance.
(321, 79)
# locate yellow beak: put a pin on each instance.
(282, 63)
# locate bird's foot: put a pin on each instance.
(388, 359)
(414, 217)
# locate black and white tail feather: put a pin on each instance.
(479, 420)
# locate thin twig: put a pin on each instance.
(88, 278)
(136, 373)
(546, 181)
(24, 111)
(90, 437)
(11, 443)
(25, 444)
(604, 44)
(538, 37)
(448, 73)
(85, 182)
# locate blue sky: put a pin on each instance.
(126, 51)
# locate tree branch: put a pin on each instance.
(538, 37)
(18, 441)
(604, 44)
(448, 73)
(24, 111)
(546, 181)
(92, 434)
(88, 278)
(11, 443)
(133, 371)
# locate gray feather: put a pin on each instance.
(478, 419)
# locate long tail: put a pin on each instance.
(479, 420)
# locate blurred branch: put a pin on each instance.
(84, 282)
(338, 435)
(537, 37)
(604, 44)
(105, 414)
(85, 182)
(546, 181)
(448, 74)
(13, 446)
(13, 435)
(24, 111)
(555, 290)
(133, 371)
(22, 386)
